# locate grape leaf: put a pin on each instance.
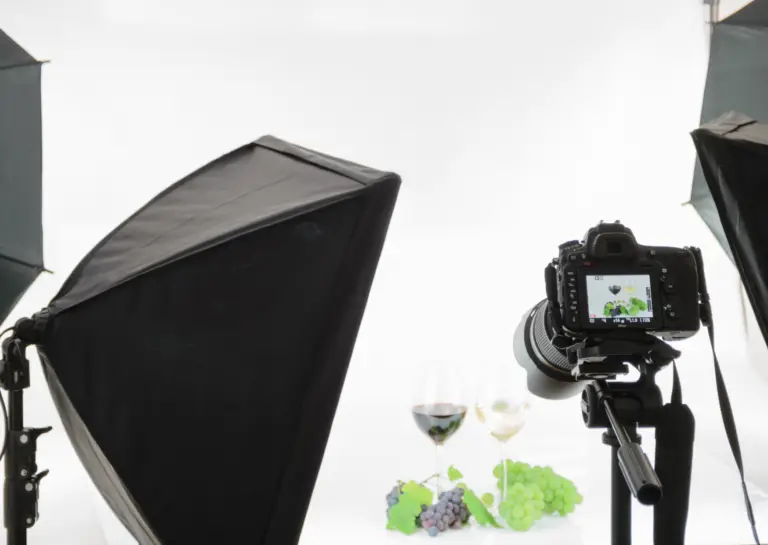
(487, 499)
(420, 494)
(454, 474)
(478, 510)
(402, 516)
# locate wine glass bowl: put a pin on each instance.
(504, 417)
(439, 420)
(439, 406)
(502, 406)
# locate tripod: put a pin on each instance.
(622, 407)
(22, 482)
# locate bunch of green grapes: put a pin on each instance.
(522, 506)
(559, 494)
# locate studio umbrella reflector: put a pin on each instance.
(21, 165)
(197, 354)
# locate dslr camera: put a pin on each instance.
(608, 282)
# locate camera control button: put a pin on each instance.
(669, 286)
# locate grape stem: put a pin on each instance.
(435, 476)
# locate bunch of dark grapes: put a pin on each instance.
(394, 497)
(449, 512)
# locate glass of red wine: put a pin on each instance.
(439, 407)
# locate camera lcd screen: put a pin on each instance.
(619, 299)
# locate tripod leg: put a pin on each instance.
(621, 504)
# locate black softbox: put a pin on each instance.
(737, 78)
(733, 154)
(197, 354)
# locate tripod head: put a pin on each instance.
(621, 407)
(603, 357)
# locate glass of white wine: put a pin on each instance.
(502, 406)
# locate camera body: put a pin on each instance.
(608, 282)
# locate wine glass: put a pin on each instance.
(439, 407)
(502, 406)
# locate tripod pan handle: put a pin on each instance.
(639, 473)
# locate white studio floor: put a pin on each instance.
(72, 513)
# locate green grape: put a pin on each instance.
(550, 492)
(520, 509)
(529, 492)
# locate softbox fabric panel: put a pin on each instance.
(737, 77)
(733, 154)
(198, 353)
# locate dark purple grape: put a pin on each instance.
(457, 525)
(440, 525)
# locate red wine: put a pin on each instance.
(439, 420)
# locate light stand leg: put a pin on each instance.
(15, 525)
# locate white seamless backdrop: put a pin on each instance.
(515, 128)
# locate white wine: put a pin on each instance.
(502, 419)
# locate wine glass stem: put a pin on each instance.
(504, 484)
(438, 467)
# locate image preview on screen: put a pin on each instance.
(619, 298)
